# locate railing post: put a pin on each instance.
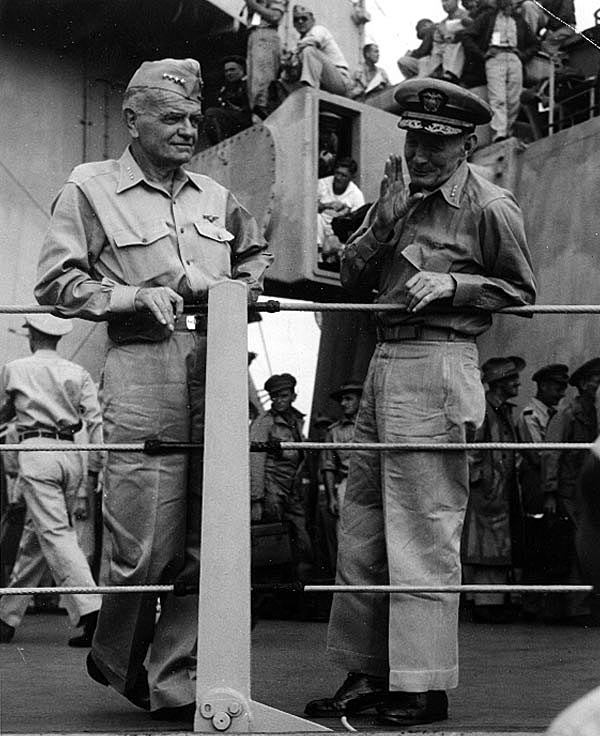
(223, 697)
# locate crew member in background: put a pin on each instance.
(232, 113)
(447, 54)
(264, 51)
(334, 464)
(502, 38)
(552, 381)
(337, 195)
(275, 480)
(48, 397)
(452, 248)
(575, 421)
(492, 537)
(322, 64)
(129, 241)
(369, 77)
(417, 63)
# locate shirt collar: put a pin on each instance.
(452, 189)
(540, 406)
(131, 174)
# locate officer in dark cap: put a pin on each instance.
(275, 480)
(451, 247)
(552, 381)
(575, 421)
(334, 464)
(128, 242)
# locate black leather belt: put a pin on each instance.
(191, 323)
(48, 433)
(421, 332)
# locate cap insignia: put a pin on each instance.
(173, 78)
(211, 218)
(432, 100)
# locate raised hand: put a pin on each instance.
(395, 199)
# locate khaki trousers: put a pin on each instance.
(152, 390)
(402, 516)
(48, 481)
(504, 73)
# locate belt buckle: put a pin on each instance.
(190, 322)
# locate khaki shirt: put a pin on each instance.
(45, 390)
(255, 20)
(114, 231)
(467, 227)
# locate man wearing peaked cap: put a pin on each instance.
(450, 247)
(275, 481)
(492, 539)
(532, 425)
(575, 421)
(129, 241)
(47, 397)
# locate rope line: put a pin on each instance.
(375, 589)
(273, 447)
(274, 306)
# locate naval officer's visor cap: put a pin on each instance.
(440, 108)
(49, 324)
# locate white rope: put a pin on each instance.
(71, 447)
(408, 589)
(433, 446)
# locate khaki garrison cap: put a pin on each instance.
(49, 324)
(181, 76)
(439, 107)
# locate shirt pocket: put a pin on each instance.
(143, 252)
(429, 256)
(214, 252)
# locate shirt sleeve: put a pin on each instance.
(65, 276)
(363, 255)
(7, 407)
(508, 279)
(250, 257)
(530, 430)
(328, 457)
(92, 416)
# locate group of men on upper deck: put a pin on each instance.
(132, 240)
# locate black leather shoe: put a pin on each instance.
(138, 695)
(418, 708)
(359, 692)
(88, 624)
(6, 632)
(182, 713)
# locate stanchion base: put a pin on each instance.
(259, 719)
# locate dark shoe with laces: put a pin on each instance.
(138, 695)
(358, 693)
(418, 708)
(6, 632)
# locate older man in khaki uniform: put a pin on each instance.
(48, 397)
(452, 249)
(129, 241)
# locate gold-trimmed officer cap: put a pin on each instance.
(439, 107)
(49, 324)
(181, 76)
(584, 371)
(558, 372)
(495, 369)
